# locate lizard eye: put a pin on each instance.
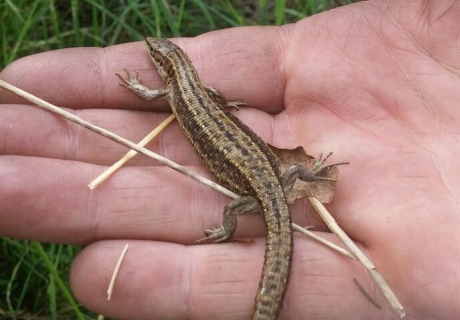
(157, 58)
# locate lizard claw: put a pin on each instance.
(130, 81)
(236, 104)
(319, 166)
(217, 234)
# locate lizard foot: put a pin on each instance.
(216, 235)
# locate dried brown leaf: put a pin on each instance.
(323, 190)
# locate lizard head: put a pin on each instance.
(159, 49)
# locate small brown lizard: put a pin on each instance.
(238, 158)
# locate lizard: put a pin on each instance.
(238, 158)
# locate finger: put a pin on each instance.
(85, 77)
(159, 280)
(50, 201)
(30, 131)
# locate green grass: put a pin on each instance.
(33, 276)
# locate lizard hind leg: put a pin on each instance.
(303, 173)
(246, 204)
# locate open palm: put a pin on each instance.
(376, 83)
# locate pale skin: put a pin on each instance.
(377, 83)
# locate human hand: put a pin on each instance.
(374, 82)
